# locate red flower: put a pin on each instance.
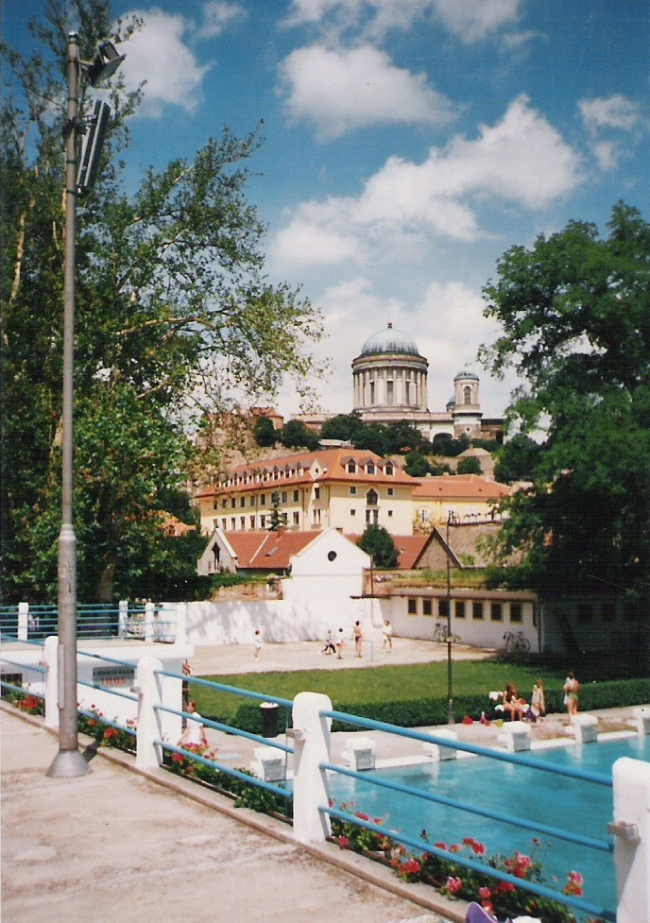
(454, 885)
(362, 816)
(485, 893)
(412, 867)
(178, 758)
(506, 887)
(441, 846)
(343, 842)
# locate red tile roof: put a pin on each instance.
(459, 487)
(332, 467)
(268, 550)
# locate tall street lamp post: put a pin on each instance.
(450, 687)
(69, 761)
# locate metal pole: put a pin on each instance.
(450, 688)
(69, 762)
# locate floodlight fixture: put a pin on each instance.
(91, 147)
(106, 61)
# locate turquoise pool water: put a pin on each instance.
(569, 804)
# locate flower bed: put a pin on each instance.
(502, 899)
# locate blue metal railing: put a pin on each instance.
(422, 845)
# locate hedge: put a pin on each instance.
(434, 711)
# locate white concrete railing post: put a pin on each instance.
(631, 828)
(123, 619)
(181, 623)
(311, 735)
(148, 688)
(51, 663)
(23, 621)
(149, 611)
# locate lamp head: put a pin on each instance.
(106, 61)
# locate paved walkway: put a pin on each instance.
(118, 847)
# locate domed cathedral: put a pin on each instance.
(390, 385)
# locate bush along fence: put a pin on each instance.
(293, 781)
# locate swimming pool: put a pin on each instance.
(550, 799)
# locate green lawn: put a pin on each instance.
(377, 684)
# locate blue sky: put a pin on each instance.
(408, 144)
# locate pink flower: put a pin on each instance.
(506, 887)
(479, 848)
(454, 885)
(441, 846)
(343, 842)
(574, 884)
(485, 893)
(412, 867)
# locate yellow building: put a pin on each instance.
(341, 488)
(463, 498)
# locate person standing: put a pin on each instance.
(258, 645)
(340, 642)
(571, 695)
(329, 648)
(387, 639)
(538, 700)
(194, 734)
(358, 639)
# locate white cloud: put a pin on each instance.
(469, 20)
(158, 54)
(474, 20)
(605, 115)
(218, 15)
(613, 112)
(521, 160)
(341, 90)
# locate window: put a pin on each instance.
(352, 467)
(242, 522)
(262, 521)
(424, 515)
(233, 502)
(477, 611)
(427, 607)
(372, 517)
(252, 521)
(372, 392)
(331, 556)
(296, 519)
(262, 499)
(496, 612)
(371, 498)
(390, 514)
(233, 523)
(242, 501)
(215, 504)
(353, 512)
(412, 607)
(316, 517)
(370, 468)
(224, 525)
(316, 493)
(390, 492)
(467, 395)
(353, 491)
(284, 496)
(296, 496)
(443, 608)
(516, 613)
(459, 609)
(390, 392)
(390, 470)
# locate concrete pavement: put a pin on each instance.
(118, 847)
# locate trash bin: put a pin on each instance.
(269, 712)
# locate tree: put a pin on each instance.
(469, 465)
(378, 543)
(576, 327)
(517, 459)
(264, 432)
(295, 435)
(278, 519)
(343, 427)
(416, 465)
(174, 319)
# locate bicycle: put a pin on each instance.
(516, 643)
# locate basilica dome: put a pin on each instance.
(389, 342)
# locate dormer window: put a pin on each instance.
(352, 467)
(370, 468)
(390, 468)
